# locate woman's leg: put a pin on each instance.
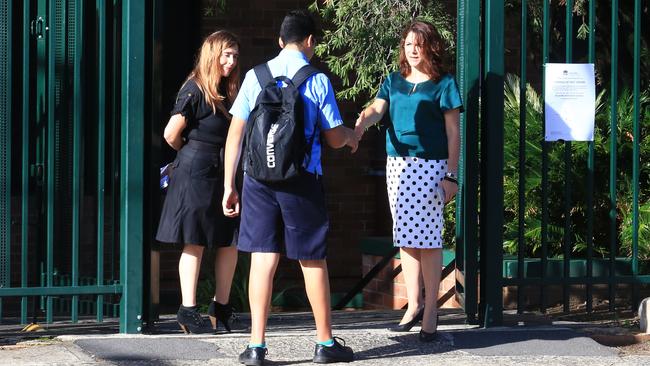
(189, 266)
(410, 258)
(431, 261)
(225, 262)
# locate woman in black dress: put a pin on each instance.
(192, 213)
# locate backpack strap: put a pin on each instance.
(298, 79)
(303, 74)
(263, 74)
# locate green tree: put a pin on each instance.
(361, 40)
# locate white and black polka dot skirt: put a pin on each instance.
(416, 201)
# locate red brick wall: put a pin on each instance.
(385, 292)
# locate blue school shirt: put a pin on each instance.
(321, 111)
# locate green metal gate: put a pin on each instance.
(540, 217)
(72, 126)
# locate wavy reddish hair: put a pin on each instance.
(432, 48)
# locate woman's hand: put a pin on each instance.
(370, 116)
(450, 188)
(452, 128)
(360, 126)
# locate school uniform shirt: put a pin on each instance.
(320, 109)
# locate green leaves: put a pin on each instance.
(361, 43)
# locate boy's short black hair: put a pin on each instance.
(296, 26)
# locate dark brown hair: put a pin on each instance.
(432, 48)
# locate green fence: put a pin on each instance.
(566, 215)
(71, 182)
(74, 101)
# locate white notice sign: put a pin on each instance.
(569, 102)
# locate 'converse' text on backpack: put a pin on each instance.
(276, 146)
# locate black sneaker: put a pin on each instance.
(253, 356)
(336, 353)
(190, 320)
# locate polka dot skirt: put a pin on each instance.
(416, 201)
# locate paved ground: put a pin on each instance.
(291, 342)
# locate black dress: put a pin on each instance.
(192, 212)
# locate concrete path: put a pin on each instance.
(290, 341)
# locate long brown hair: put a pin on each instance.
(207, 71)
(432, 48)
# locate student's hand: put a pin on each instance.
(230, 203)
(359, 126)
(450, 188)
(353, 141)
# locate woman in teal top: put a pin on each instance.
(422, 143)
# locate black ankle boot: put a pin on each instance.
(224, 314)
(189, 319)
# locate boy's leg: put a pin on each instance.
(189, 266)
(260, 288)
(317, 286)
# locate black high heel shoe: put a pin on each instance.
(224, 314)
(429, 337)
(408, 325)
(189, 319)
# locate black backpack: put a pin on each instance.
(275, 135)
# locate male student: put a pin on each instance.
(299, 202)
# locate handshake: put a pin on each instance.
(355, 135)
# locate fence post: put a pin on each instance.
(5, 144)
(132, 165)
(469, 14)
(491, 216)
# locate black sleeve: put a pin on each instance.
(187, 100)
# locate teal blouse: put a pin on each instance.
(417, 115)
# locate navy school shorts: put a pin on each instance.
(289, 217)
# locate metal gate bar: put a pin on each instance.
(77, 103)
(24, 194)
(6, 82)
(131, 172)
(101, 148)
(50, 159)
(491, 253)
(591, 58)
(636, 134)
(521, 241)
(468, 60)
(613, 234)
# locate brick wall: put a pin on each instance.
(386, 292)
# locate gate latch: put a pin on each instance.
(39, 28)
(36, 171)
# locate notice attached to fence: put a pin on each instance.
(569, 102)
